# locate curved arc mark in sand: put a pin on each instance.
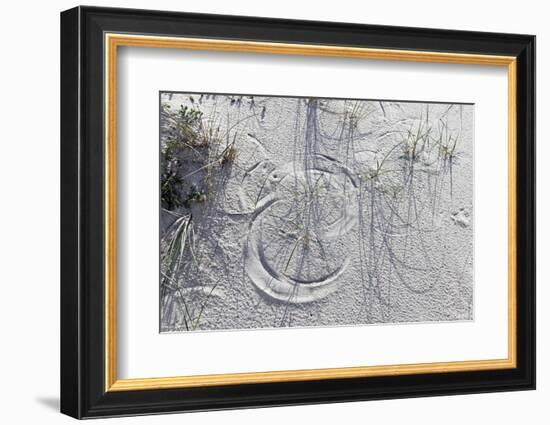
(276, 284)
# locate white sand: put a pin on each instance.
(328, 216)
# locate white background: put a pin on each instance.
(29, 225)
(141, 345)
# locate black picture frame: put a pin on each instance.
(83, 392)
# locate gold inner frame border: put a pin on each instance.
(111, 43)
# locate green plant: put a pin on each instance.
(176, 246)
(182, 129)
(194, 197)
(229, 154)
(447, 142)
(415, 142)
(170, 197)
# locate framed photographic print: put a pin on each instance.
(261, 212)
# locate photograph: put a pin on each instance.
(279, 212)
(289, 209)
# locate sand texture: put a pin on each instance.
(295, 212)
